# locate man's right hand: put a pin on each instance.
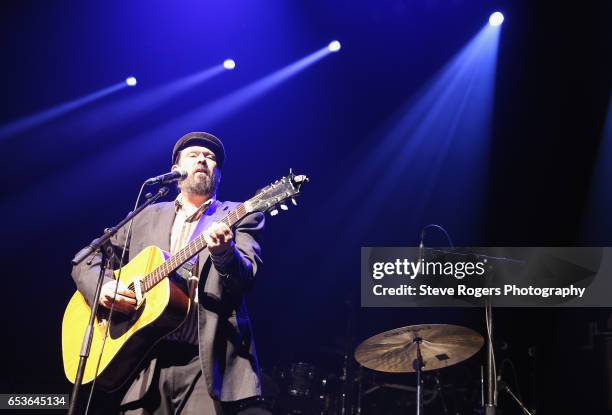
(125, 301)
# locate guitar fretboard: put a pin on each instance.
(187, 252)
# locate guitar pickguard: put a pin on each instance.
(121, 323)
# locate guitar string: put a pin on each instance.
(159, 273)
(155, 276)
(187, 252)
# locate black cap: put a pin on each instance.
(202, 139)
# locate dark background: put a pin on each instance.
(67, 180)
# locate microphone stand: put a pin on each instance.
(418, 365)
(102, 245)
(491, 404)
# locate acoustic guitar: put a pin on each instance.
(162, 305)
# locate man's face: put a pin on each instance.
(203, 175)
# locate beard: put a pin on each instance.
(204, 184)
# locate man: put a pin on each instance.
(211, 358)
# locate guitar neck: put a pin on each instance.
(190, 250)
(275, 194)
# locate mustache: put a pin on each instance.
(201, 170)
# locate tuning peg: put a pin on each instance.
(284, 206)
(274, 212)
(294, 201)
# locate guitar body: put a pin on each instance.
(162, 310)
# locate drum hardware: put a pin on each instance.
(418, 348)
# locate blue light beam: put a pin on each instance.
(31, 121)
(144, 101)
(159, 138)
(435, 149)
(234, 101)
(597, 223)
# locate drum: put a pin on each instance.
(303, 390)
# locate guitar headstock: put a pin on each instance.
(276, 195)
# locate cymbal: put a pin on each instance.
(442, 345)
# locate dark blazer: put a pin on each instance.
(226, 346)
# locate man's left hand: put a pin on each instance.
(219, 239)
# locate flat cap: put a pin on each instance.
(200, 138)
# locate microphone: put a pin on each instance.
(173, 176)
(421, 257)
(421, 252)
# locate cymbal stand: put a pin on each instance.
(418, 365)
(491, 401)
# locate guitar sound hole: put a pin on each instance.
(121, 323)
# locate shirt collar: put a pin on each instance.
(179, 204)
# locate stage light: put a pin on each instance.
(229, 64)
(496, 19)
(131, 81)
(334, 46)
